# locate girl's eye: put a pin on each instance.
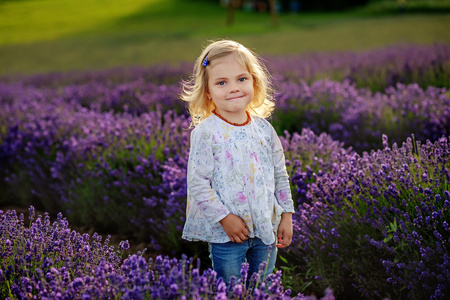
(242, 79)
(221, 83)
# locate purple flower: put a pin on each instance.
(446, 226)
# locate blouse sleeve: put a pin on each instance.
(199, 174)
(282, 187)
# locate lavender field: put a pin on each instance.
(366, 137)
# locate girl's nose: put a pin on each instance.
(234, 88)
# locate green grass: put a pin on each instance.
(26, 21)
(62, 35)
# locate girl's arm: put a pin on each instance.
(199, 175)
(282, 193)
(282, 186)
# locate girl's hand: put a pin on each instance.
(235, 228)
(285, 230)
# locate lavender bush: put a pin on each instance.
(358, 117)
(162, 74)
(51, 261)
(377, 225)
(376, 69)
(112, 172)
(309, 156)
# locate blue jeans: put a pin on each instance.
(227, 258)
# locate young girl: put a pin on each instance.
(239, 198)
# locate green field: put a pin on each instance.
(61, 35)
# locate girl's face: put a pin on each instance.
(230, 87)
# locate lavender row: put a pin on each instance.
(359, 117)
(354, 116)
(375, 69)
(379, 220)
(161, 74)
(51, 261)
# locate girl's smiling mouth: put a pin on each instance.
(234, 98)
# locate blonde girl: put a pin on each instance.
(239, 198)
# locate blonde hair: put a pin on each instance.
(195, 90)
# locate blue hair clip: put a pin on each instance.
(206, 61)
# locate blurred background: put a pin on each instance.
(61, 35)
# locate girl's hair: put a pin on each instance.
(195, 90)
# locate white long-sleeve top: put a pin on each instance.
(239, 170)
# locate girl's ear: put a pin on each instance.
(208, 95)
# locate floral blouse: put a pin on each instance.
(239, 170)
